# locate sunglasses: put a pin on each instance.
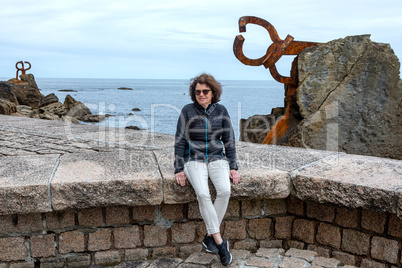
(204, 91)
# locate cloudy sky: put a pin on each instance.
(175, 39)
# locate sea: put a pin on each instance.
(159, 101)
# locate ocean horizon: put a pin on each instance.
(159, 101)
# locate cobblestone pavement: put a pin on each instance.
(264, 257)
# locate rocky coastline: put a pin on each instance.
(23, 98)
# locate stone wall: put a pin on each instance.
(74, 195)
(110, 235)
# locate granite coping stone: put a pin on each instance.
(353, 181)
(83, 166)
(24, 183)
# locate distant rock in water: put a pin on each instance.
(349, 98)
(125, 88)
(133, 127)
(67, 90)
(136, 109)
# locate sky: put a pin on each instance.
(175, 39)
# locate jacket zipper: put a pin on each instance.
(206, 135)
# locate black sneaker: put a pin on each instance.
(209, 244)
(224, 254)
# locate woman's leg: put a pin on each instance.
(219, 173)
(197, 174)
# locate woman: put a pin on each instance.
(205, 147)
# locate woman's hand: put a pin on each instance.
(181, 178)
(235, 176)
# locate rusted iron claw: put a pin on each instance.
(275, 51)
(22, 69)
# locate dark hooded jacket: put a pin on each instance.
(204, 134)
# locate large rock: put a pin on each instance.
(56, 108)
(349, 96)
(6, 92)
(30, 79)
(76, 108)
(26, 94)
(7, 107)
(49, 99)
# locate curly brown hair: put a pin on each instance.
(208, 80)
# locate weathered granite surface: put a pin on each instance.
(53, 165)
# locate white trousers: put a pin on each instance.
(218, 171)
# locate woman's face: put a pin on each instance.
(203, 99)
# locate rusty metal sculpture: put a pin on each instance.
(275, 51)
(22, 69)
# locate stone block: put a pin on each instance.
(194, 211)
(78, 260)
(6, 224)
(183, 232)
(355, 242)
(81, 177)
(347, 217)
(201, 258)
(187, 250)
(260, 262)
(274, 207)
(154, 236)
(295, 244)
(295, 206)
(60, 219)
(101, 239)
(288, 262)
(172, 212)
(107, 257)
(13, 249)
(172, 192)
(52, 262)
(91, 217)
(144, 213)
(385, 249)
(271, 244)
(395, 226)
(304, 230)
(246, 244)
(321, 251)
(372, 264)
(322, 212)
(117, 215)
(22, 265)
(329, 235)
(349, 182)
(233, 210)
(306, 255)
(260, 228)
(326, 262)
(235, 230)
(164, 252)
(345, 258)
(30, 222)
(127, 237)
(262, 183)
(43, 246)
(24, 183)
(251, 208)
(373, 221)
(270, 252)
(136, 254)
(283, 227)
(72, 241)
